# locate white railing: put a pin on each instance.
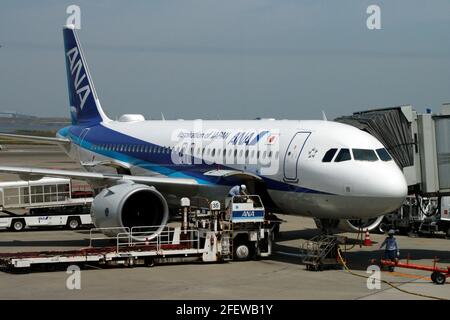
(103, 236)
(150, 232)
(166, 236)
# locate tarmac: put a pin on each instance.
(281, 276)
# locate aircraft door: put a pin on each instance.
(292, 155)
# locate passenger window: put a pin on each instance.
(383, 154)
(343, 155)
(364, 155)
(329, 155)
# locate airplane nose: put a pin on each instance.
(395, 185)
(392, 189)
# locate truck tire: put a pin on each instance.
(18, 225)
(276, 234)
(149, 262)
(433, 276)
(243, 251)
(438, 277)
(73, 223)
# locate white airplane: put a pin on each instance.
(321, 169)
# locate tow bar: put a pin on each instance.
(438, 275)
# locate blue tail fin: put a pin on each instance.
(85, 107)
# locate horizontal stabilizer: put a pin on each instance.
(35, 138)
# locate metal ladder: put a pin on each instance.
(320, 251)
(227, 240)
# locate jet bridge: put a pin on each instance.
(419, 144)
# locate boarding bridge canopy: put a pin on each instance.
(391, 127)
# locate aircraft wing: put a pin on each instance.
(35, 138)
(97, 178)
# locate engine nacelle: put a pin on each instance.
(340, 225)
(128, 205)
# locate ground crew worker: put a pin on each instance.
(392, 250)
(237, 190)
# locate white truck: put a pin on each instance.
(71, 220)
(48, 202)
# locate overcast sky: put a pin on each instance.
(230, 58)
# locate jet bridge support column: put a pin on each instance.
(428, 160)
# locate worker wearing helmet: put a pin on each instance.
(237, 190)
(392, 250)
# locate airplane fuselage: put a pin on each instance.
(285, 157)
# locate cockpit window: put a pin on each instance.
(343, 155)
(329, 155)
(383, 154)
(364, 155)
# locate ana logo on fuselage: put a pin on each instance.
(247, 138)
(75, 68)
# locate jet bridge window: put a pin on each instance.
(343, 155)
(329, 155)
(383, 154)
(364, 155)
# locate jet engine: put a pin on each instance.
(347, 225)
(126, 205)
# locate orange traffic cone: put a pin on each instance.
(367, 241)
